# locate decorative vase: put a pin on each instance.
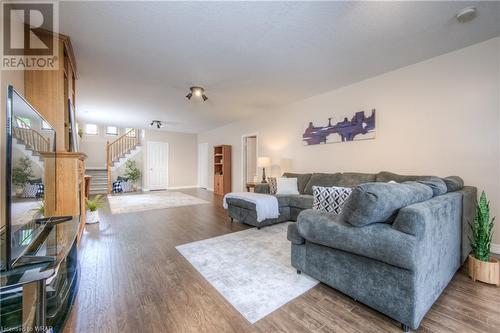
(484, 271)
(19, 192)
(92, 217)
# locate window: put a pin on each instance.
(46, 125)
(111, 130)
(23, 122)
(91, 129)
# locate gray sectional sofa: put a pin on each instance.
(394, 247)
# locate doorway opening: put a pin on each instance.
(249, 144)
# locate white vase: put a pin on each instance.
(92, 217)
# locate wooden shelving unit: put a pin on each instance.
(222, 169)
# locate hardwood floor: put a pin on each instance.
(134, 280)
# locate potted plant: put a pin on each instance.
(132, 172)
(39, 211)
(21, 174)
(482, 266)
(92, 206)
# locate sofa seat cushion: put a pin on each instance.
(322, 179)
(353, 179)
(302, 179)
(302, 201)
(377, 241)
(378, 202)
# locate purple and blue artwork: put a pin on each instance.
(360, 127)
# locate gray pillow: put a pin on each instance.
(378, 202)
(454, 183)
(437, 185)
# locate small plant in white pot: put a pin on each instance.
(482, 266)
(132, 172)
(92, 209)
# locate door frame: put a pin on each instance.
(200, 166)
(243, 156)
(146, 164)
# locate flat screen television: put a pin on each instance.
(28, 138)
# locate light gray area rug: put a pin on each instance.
(250, 268)
(128, 203)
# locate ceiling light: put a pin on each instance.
(157, 123)
(198, 92)
(466, 14)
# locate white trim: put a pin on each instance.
(243, 151)
(210, 189)
(495, 248)
(182, 187)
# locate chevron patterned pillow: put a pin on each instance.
(272, 185)
(330, 199)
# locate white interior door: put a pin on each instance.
(203, 165)
(157, 165)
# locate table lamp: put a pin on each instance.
(263, 162)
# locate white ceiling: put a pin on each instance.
(136, 60)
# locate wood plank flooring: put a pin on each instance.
(134, 280)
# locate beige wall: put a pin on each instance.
(182, 156)
(438, 117)
(182, 166)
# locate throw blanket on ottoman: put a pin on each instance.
(266, 205)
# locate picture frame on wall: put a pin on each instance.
(347, 128)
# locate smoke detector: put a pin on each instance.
(467, 14)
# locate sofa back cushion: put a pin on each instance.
(378, 202)
(437, 185)
(353, 179)
(454, 183)
(302, 179)
(385, 177)
(322, 179)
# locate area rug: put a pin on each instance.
(250, 268)
(128, 203)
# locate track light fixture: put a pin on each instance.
(157, 123)
(197, 92)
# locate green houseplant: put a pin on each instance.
(93, 205)
(482, 266)
(132, 172)
(22, 173)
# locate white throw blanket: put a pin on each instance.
(266, 205)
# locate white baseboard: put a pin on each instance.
(181, 187)
(495, 248)
(210, 189)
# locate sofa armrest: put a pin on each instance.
(293, 235)
(426, 219)
(262, 188)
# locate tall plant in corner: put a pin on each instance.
(482, 266)
(132, 172)
(21, 174)
(482, 230)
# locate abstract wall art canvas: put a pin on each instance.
(341, 128)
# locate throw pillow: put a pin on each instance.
(30, 190)
(286, 186)
(330, 199)
(271, 181)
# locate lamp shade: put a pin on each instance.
(263, 162)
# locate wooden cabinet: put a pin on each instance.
(222, 169)
(49, 90)
(67, 195)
